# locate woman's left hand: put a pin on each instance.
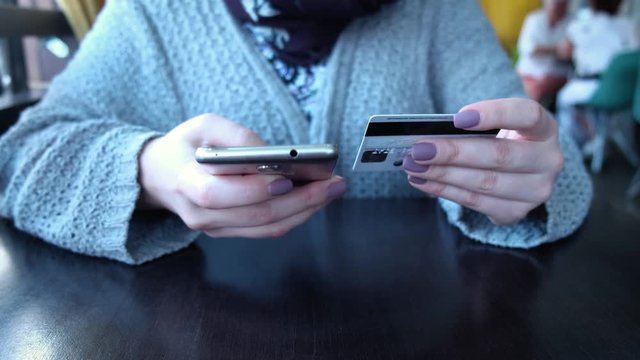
(503, 177)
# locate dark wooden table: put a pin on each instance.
(362, 280)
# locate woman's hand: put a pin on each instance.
(253, 206)
(503, 177)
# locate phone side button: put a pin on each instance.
(268, 168)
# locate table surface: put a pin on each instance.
(371, 279)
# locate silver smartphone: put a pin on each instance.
(297, 162)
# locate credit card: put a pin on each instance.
(388, 138)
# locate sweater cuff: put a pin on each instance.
(139, 236)
(529, 232)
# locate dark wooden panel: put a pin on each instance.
(15, 21)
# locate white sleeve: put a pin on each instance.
(527, 41)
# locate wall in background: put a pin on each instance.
(43, 64)
(633, 9)
(507, 17)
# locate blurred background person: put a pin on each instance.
(542, 72)
(593, 39)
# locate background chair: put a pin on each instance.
(609, 109)
(634, 186)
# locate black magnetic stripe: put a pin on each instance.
(420, 128)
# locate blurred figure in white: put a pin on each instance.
(542, 73)
(594, 38)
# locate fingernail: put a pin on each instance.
(336, 189)
(280, 187)
(417, 180)
(466, 119)
(423, 151)
(410, 165)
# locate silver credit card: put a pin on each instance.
(388, 138)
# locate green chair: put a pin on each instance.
(634, 186)
(609, 107)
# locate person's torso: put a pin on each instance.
(597, 38)
(389, 62)
(547, 36)
(378, 65)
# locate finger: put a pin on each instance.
(500, 211)
(526, 116)
(508, 186)
(506, 155)
(227, 191)
(214, 130)
(273, 230)
(271, 211)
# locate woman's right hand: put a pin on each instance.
(253, 206)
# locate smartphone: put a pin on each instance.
(297, 162)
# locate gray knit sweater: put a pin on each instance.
(69, 167)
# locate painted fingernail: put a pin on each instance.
(466, 119)
(423, 151)
(416, 180)
(410, 165)
(336, 189)
(280, 187)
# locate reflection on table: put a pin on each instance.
(363, 279)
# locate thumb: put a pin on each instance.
(214, 130)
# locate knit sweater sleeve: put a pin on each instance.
(69, 167)
(470, 66)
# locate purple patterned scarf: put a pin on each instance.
(304, 31)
